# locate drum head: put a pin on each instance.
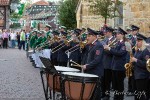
(79, 74)
(65, 69)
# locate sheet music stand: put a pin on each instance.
(49, 69)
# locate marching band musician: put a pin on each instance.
(62, 29)
(62, 56)
(37, 43)
(119, 59)
(148, 88)
(33, 38)
(131, 81)
(135, 31)
(107, 60)
(132, 37)
(48, 31)
(53, 45)
(140, 72)
(94, 57)
(83, 34)
(75, 53)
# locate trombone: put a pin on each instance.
(60, 46)
(76, 47)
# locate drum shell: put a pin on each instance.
(55, 81)
(74, 86)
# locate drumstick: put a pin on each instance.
(76, 65)
(74, 62)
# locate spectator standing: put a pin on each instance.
(18, 39)
(5, 37)
(13, 39)
(22, 39)
(1, 39)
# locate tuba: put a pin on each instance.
(148, 64)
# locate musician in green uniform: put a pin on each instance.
(39, 40)
(48, 31)
(33, 38)
(83, 34)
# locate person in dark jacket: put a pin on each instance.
(94, 57)
(141, 74)
(119, 59)
(53, 45)
(62, 56)
(107, 60)
(75, 54)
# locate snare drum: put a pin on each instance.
(78, 86)
(53, 80)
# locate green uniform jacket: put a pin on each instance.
(38, 42)
(33, 40)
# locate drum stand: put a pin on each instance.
(68, 54)
(45, 88)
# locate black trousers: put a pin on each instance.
(22, 43)
(119, 77)
(5, 42)
(148, 90)
(107, 81)
(98, 94)
(54, 62)
(131, 83)
(62, 64)
(141, 89)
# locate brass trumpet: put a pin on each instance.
(100, 38)
(148, 65)
(82, 44)
(113, 43)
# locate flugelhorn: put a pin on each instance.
(148, 65)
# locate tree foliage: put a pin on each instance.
(105, 8)
(67, 15)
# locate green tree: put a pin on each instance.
(106, 8)
(67, 15)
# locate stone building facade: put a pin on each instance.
(135, 12)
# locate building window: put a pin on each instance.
(119, 20)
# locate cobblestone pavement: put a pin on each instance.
(19, 80)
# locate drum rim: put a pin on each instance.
(70, 69)
(75, 74)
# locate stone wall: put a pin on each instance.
(137, 12)
(85, 18)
